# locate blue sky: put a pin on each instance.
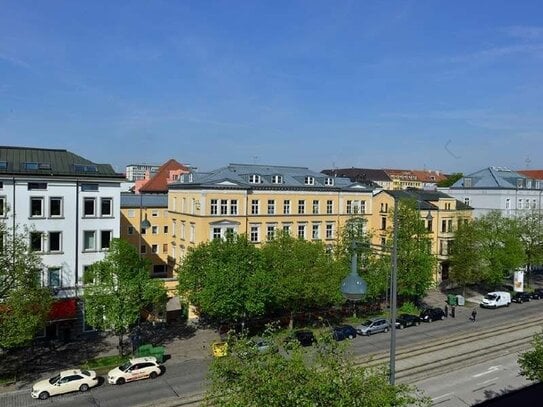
(449, 85)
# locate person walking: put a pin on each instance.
(473, 315)
(453, 311)
(446, 311)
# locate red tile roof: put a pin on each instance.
(159, 183)
(534, 174)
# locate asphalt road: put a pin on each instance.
(185, 378)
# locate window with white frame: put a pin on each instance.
(519, 206)
(183, 230)
(192, 232)
(315, 206)
(301, 231)
(508, 203)
(277, 179)
(286, 206)
(89, 240)
(309, 181)
(254, 179)
(36, 241)
(154, 213)
(154, 230)
(527, 204)
(254, 207)
(55, 207)
(89, 207)
(54, 279)
(254, 233)
(286, 228)
(362, 206)
(315, 231)
(329, 182)
(329, 207)
(36, 207)
(301, 206)
(55, 241)
(174, 225)
(105, 239)
(271, 207)
(233, 207)
(329, 230)
(217, 233)
(106, 207)
(534, 204)
(467, 201)
(224, 206)
(270, 232)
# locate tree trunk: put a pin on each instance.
(291, 322)
(120, 346)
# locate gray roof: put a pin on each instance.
(424, 198)
(359, 174)
(50, 162)
(494, 178)
(237, 176)
(129, 200)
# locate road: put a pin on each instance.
(186, 378)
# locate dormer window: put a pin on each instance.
(190, 177)
(309, 181)
(467, 182)
(254, 179)
(329, 182)
(277, 179)
(520, 183)
(182, 178)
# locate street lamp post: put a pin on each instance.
(393, 292)
(353, 287)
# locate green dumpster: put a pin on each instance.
(145, 350)
(451, 299)
(158, 353)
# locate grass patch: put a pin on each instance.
(6, 381)
(104, 363)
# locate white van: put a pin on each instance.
(496, 299)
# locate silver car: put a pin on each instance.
(373, 326)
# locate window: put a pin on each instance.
(183, 229)
(89, 187)
(362, 206)
(383, 242)
(154, 230)
(55, 207)
(467, 201)
(130, 230)
(383, 223)
(36, 207)
(277, 179)
(254, 179)
(315, 232)
(224, 207)
(55, 241)
(519, 206)
(3, 165)
(154, 249)
(154, 213)
(89, 240)
(216, 233)
(301, 206)
(329, 182)
(85, 168)
(429, 225)
(449, 225)
(254, 234)
(286, 207)
(384, 207)
(329, 207)
(89, 207)
(329, 230)
(443, 226)
(467, 182)
(106, 207)
(254, 207)
(131, 213)
(233, 207)
(36, 241)
(533, 204)
(508, 203)
(214, 206)
(301, 231)
(271, 207)
(37, 185)
(270, 232)
(105, 239)
(165, 248)
(286, 229)
(315, 207)
(53, 277)
(143, 249)
(349, 206)
(165, 230)
(309, 181)
(448, 206)
(192, 232)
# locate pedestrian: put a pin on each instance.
(446, 311)
(473, 315)
(453, 311)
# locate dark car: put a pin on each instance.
(342, 332)
(432, 314)
(539, 292)
(405, 320)
(519, 298)
(303, 336)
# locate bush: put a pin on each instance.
(409, 308)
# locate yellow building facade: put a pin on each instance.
(440, 212)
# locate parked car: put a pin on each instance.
(537, 294)
(496, 299)
(519, 298)
(405, 320)
(432, 314)
(373, 326)
(304, 337)
(135, 369)
(342, 332)
(65, 382)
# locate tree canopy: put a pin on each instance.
(531, 362)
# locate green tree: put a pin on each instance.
(117, 289)
(466, 256)
(24, 304)
(416, 263)
(501, 246)
(303, 274)
(531, 362)
(450, 180)
(531, 235)
(225, 280)
(325, 377)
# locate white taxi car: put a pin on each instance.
(65, 382)
(135, 369)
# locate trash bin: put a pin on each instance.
(145, 350)
(451, 299)
(158, 353)
(460, 300)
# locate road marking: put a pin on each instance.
(487, 381)
(488, 371)
(443, 395)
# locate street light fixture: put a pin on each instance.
(353, 287)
